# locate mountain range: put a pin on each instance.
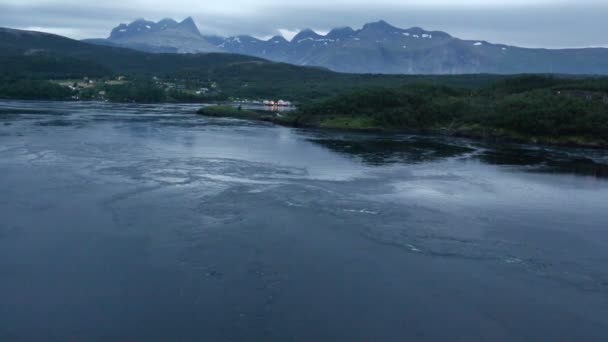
(39, 56)
(377, 47)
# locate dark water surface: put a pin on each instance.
(148, 223)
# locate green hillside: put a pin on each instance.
(34, 55)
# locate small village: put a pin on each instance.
(265, 103)
(106, 89)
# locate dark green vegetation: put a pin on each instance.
(33, 90)
(529, 108)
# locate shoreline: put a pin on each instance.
(479, 133)
(473, 133)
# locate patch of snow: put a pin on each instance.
(416, 36)
(357, 39)
(305, 39)
(404, 46)
(123, 30)
(429, 36)
(504, 48)
(478, 44)
(406, 34)
(148, 27)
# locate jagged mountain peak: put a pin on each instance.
(162, 36)
(141, 25)
(138, 26)
(306, 34)
(377, 47)
(278, 39)
(379, 25)
(340, 33)
(189, 25)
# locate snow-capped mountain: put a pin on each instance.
(377, 47)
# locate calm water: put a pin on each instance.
(148, 223)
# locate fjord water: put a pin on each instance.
(149, 223)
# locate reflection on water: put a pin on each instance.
(548, 160)
(379, 151)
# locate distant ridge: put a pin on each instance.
(378, 47)
(166, 35)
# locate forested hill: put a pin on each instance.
(530, 108)
(35, 55)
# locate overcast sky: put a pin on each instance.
(530, 23)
